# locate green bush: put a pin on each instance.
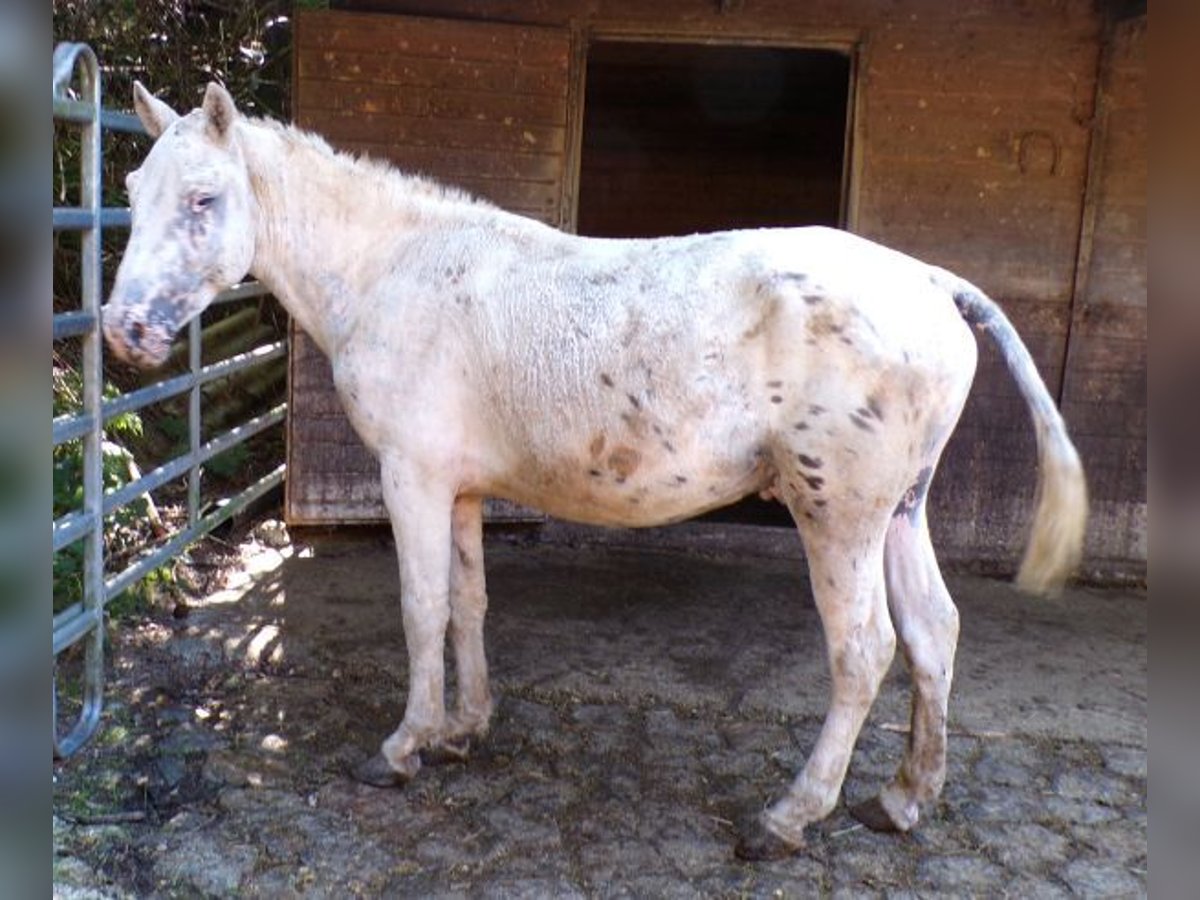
(125, 527)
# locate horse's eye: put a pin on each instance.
(201, 202)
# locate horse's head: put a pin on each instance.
(193, 225)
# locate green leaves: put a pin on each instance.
(124, 528)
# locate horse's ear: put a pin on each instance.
(155, 115)
(219, 111)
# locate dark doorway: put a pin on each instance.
(684, 138)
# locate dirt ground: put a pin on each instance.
(646, 701)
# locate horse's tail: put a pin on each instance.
(1055, 542)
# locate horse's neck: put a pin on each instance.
(318, 229)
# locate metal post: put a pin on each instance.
(193, 495)
(93, 378)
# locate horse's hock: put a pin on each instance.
(644, 700)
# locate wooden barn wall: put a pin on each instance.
(1104, 390)
(972, 149)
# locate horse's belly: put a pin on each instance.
(636, 483)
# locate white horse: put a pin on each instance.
(618, 382)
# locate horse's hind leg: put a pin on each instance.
(846, 570)
(927, 623)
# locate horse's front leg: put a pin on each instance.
(468, 606)
(420, 510)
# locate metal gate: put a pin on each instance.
(84, 620)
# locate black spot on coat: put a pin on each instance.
(914, 497)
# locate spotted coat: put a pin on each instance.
(617, 382)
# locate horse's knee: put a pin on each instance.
(863, 658)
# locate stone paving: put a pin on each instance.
(645, 703)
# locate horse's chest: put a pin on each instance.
(382, 398)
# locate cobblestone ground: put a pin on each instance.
(645, 703)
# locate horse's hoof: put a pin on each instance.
(759, 844)
(378, 772)
(872, 814)
(455, 750)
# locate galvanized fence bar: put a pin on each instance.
(179, 542)
(84, 620)
(75, 324)
(194, 367)
(70, 527)
(91, 523)
(74, 218)
(176, 468)
(67, 428)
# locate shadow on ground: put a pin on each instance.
(645, 702)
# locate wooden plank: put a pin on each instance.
(1114, 286)
(1130, 46)
(1042, 280)
(931, 197)
(1126, 252)
(1125, 185)
(1106, 419)
(1046, 144)
(1104, 382)
(518, 196)
(1129, 87)
(1113, 453)
(926, 77)
(478, 106)
(452, 162)
(978, 48)
(1055, 72)
(1114, 320)
(1107, 354)
(994, 158)
(510, 137)
(391, 69)
(980, 253)
(769, 16)
(968, 241)
(1119, 217)
(430, 38)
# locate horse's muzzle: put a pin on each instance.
(136, 342)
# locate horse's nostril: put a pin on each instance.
(136, 330)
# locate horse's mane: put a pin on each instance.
(387, 177)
